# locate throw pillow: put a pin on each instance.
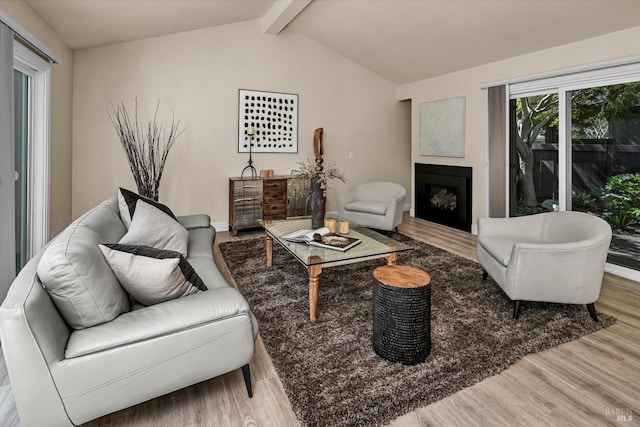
(127, 205)
(152, 227)
(152, 275)
(75, 274)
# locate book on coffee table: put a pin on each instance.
(322, 238)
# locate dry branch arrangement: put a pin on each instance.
(146, 147)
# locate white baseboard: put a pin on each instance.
(627, 273)
(221, 226)
(407, 208)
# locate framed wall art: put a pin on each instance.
(442, 127)
(269, 120)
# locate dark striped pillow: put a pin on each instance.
(152, 275)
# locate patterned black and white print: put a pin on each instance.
(274, 119)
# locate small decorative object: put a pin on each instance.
(442, 126)
(344, 226)
(320, 177)
(273, 116)
(263, 173)
(250, 132)
(330, 223)
(146, 146)
(269, 173)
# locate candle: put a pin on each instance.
(330, 223)
(251, 130)
(344, 226)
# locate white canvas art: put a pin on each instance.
(274, 119)
(442, 127)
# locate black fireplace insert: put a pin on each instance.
(443, 194)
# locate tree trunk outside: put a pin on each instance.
(318, 202)
(525, 174)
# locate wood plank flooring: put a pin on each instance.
(587, 382)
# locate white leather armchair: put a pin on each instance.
(373, 204)
(552, 257)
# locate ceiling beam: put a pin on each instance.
(281, 14)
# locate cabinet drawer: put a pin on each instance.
(275, 198)
(275, 208)
(274, 186)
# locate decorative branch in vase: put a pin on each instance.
(146, 146)
(320, 177)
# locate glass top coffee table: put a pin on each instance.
(373, 246)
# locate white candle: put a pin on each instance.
(251, 130)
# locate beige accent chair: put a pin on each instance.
(554, 257)
(376, 205)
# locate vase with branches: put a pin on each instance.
(319, 177)
(320, 182)
(145, 145)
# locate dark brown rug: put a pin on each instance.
(329, 369)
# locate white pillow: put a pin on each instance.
(151, 275)
(127, 205)
(152, 227)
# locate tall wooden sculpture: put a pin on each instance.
(318, 199)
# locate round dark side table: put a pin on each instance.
(402, 313)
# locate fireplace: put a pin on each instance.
(443, 195)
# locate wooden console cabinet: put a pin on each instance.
(254, 199)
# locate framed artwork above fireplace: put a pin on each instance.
(442, 127)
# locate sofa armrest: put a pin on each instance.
(571, 272)
(159, 320)
(33, 336)
(194, 221)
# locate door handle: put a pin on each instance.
(16, 176)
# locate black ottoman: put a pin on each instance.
(402, 314)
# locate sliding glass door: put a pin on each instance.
(21, 131)
(577, 147)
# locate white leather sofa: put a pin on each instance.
(376, 205)
(552, 257)
(63, 376)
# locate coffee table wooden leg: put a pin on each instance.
(314, 290)
(392, 259)
(268, 244)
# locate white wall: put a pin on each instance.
(197, 75)
(467, 83)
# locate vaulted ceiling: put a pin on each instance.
(401, 40)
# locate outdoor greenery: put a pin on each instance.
(618, 202)
(583, 202)
(622, 196)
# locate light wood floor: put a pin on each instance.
(586, 382)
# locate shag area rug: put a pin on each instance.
(329, 370)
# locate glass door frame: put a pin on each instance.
(38, 198)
